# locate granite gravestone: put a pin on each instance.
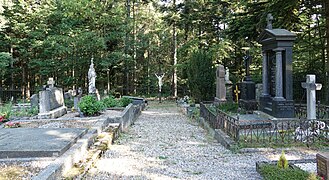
(37, 142)
(34, 100)
(247, 87)
(277, 96)
(51, 102)
(220, 85)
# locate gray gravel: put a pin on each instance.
(164, 144)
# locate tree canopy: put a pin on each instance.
(131, 40)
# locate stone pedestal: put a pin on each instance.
(277, 108)
(247, 99)
(229, 93)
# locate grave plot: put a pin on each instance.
(37, 142)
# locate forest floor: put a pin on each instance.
(165, 144)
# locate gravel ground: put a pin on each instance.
(164, 144)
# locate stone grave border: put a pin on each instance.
(76, 152)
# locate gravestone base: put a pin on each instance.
(58, 112)
(277, 108)
(248, 90)
(322, 165)
(37, 142)
(218, 101)
(248, 105)
(229, 94)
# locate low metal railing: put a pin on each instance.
(261, 132)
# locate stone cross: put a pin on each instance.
(311, 87)
(51, 82)
(236, 92)
(269, 20)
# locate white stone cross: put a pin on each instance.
(311, 87)
(51, 82)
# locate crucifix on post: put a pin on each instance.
(311, 87)
(160, 83)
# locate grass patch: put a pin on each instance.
(272, 172)
(12, 172)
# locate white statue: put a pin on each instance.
(160, 80)
(227, 75)
(92, 78)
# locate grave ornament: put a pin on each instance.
(92, 78)
(160, 83)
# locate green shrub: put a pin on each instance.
(201, 75)
(229, 107)
(123, 102)
(110, 102)
(283, 162)
(273, 172)
(5, 111)
(69, 103)
(89, 106)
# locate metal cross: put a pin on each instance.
(236, 92)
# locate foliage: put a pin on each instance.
(5, 111)
(5, 59)
(201, 76)
(272, 172)
(89, 106)
(25, 112)
(69, 103)
(110, 101)
(313, 176)
(283, 162)
(124, 101)
(229, 107)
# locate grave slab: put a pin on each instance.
(37, 142)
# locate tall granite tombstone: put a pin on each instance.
(247, 99)
(220, 85)
(277, 96)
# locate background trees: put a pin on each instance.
(131, 40)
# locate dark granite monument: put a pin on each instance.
(277, 96)
(247, 87)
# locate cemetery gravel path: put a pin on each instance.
(165, 144)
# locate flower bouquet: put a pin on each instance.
(11, 124)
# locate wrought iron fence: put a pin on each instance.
(279, 131)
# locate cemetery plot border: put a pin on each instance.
(275, 132)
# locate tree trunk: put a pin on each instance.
(326, 6)
(174, 76)
(126, 69)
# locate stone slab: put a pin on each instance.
(37, 142)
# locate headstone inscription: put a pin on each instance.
(277, 96)
(220, 85)
(311, 88)
(322, 164)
